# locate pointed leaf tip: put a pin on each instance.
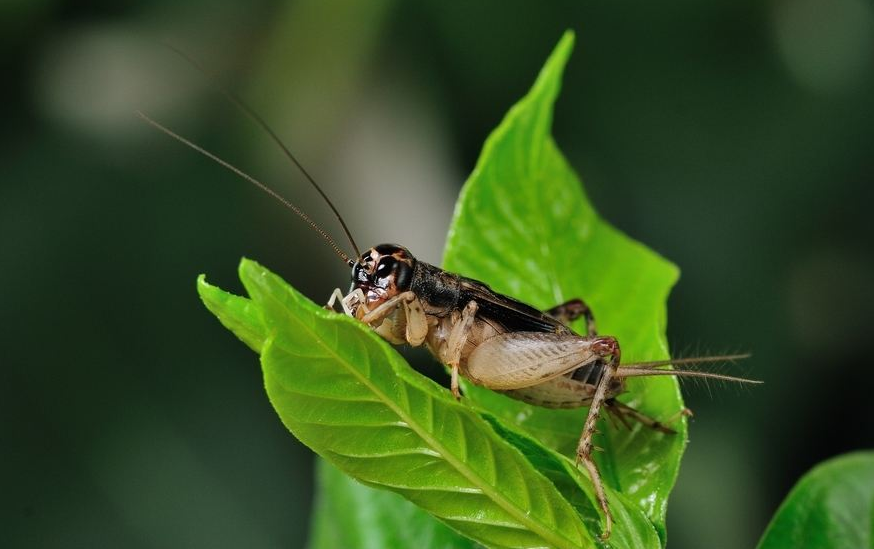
(558, 58)
(238, 314)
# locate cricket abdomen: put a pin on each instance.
(572, 390)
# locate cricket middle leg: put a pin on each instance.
(572, 310)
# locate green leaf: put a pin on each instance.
(349, 396)
(635, 530)
(351, 515)
(831, 507)
(524, 226)
(236, 313)
(347, 513)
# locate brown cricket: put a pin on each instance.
(489, 338)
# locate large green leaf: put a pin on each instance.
(831, 507)
(524, 226)
(351, 397)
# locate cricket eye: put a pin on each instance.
(385, 267)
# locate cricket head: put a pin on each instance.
(382, 272)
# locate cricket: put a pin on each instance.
(491, 339)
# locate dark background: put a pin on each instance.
(733, 137)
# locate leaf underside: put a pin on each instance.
(492, 469)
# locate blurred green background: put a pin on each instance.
(734, 137)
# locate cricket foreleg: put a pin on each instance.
(572, 310)
(336, 295)
(605, 347)
(348, 302)
(386, 308)
(455, 344)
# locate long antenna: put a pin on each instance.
(252, 180)
(255, 117)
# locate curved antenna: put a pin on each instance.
(248, 111)
(251, 180)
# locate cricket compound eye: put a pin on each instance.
(386, 267)
(395, 268)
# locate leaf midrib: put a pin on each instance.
(487, 489)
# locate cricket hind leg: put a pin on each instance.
(623, 412)
(572, 310)
(608, 349)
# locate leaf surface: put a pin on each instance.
(524, 226)
(347, 513)
(237, 314)
(351, 515)
(349, 396)
(831, 507)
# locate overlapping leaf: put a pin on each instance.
(524, 225)
(350, 397)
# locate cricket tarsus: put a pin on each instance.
(255, 117)
(252, 180)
